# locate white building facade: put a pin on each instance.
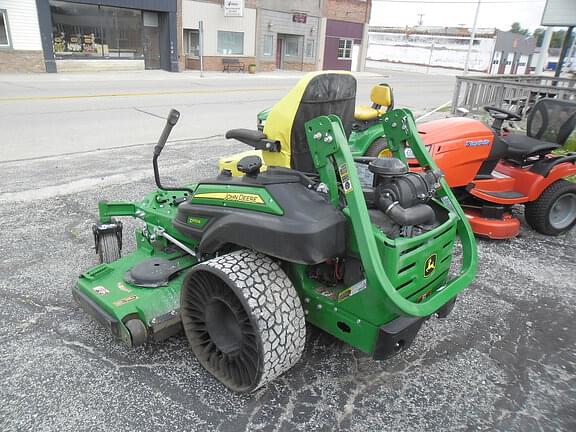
(431, 48)
(20, 42)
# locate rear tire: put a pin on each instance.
(243, 319)
(554, 212)
(108, 248)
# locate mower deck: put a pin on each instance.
(104, 293)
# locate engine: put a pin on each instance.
(399, 201)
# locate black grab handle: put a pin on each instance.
(172, 119)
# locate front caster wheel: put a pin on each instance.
(554, 212)
(243, 319)
(108, 248)
(138, 332)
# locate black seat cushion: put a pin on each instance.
(521, 146)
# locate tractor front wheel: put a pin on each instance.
(243, 319)
(554, 212)
(379, 148)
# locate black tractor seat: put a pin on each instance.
(521, 146)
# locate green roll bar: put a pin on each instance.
(332, 158)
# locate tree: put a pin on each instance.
(555, 41)
(539, 35)
(516, 28)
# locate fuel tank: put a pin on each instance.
(459, 146)
(272, 214)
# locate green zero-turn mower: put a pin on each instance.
(241, 263)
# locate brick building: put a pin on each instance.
(301, 35)
(66, 35)
(228, 31)
(346, 34)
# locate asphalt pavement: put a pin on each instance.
(50, 114)
(503, 360)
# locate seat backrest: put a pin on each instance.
(316, 94)
(381, 96)
(552, 120)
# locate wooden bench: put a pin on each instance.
(231, 64)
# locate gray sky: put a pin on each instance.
(439, 12)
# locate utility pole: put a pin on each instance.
(420, 20)
(472, 38)
(201, 37)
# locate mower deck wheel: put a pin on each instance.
(108, 248)
(243, 319)
(554, 212)
(138, 332)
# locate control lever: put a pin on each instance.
(171, 121)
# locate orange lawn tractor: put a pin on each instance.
(491, 169)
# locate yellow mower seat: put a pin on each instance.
(382, 101)
(317, 93)
(365, 112)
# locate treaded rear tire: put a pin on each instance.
(537, 212)
(245, 293)
(377, 147)
(108, 248)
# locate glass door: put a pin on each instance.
(151, 40)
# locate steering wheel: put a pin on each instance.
(502, 114)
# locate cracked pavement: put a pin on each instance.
(503, 360)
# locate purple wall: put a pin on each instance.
(335, 30)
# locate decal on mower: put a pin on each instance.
(430, 265)
(232, 196)
(477, 143)
(122, 287)
(100, 290)
(345, 177)
(197, 221)
(125, 300)
(354, 289)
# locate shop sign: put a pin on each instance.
(233, 8)
(299, 18)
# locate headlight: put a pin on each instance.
(410, 154)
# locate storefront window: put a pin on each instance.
(84, 31)
(230, 43)
(345, 49)
(291, 47)
(192, 43)
(4, 42)
(76, 29)
(268, 47)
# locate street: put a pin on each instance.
(503, 360)
(55, 114)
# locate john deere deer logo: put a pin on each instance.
(430, 265)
